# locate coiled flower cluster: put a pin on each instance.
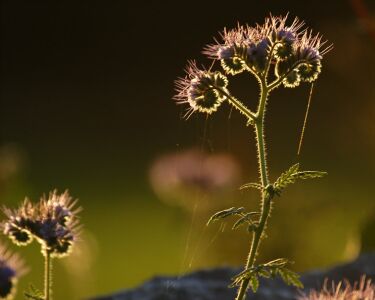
(288, 54)
(203, 90)
(52, 222)
(11, 268)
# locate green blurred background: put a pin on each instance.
(86, 105)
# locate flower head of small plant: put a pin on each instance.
(294, 52)
(12, 267)
(196, 89)
(276, 54)
(364, 290)
(52, 222)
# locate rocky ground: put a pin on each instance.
(212, 284)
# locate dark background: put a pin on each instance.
(86, 105)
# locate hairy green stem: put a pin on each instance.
(237, 104)
(279, 80)
(47, 275)
(270, 56)
(266, 201)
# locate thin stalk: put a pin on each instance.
(237, 104)
(266, 201)
(47, 275)
(269, 60)
(279, 80)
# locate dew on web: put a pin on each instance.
(188, 241)
(199, 240)
(211, 240)
(194, 247)
(197, 246)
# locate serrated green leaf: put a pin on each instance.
(33, 293)
(245, 274)
(293, 168)
(292, 174)
(264, 273)
(240, 222)
(293, 278)
(251, 185)
(310, 174)
(32, 297)
(246, 218)
(225, 213)
(254, 283)
(279, 262)
(286, 178)
(273, 273)
(290, 277)
(283, 276)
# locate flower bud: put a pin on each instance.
(233, 65)
(225, 52)
(285, 40)
(284, 66)
(63, 249)
(292, 80)
(257, 55)
(202, 96)
(203, 90)
(309, 72)
(20, 237)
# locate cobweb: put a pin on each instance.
(196, 249)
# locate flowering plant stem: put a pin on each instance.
(266, 198)
(47, 275)
(288, 55)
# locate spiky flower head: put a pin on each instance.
(11, 269)
(292, 80)
(364, 290)
(18, 223)
(203, 90)
(52, 222)
(258, 48)
(284, 37)
(289, 52)
(310, 53)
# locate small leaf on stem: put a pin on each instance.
(254, 283)
(225, 213)
(251, 185)
(246, 218)
(33, 293)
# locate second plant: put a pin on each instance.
(276, 54)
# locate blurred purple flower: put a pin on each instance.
(179, 178)
(12, 159)
(11, 268)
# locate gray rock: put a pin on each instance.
(213, 284)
